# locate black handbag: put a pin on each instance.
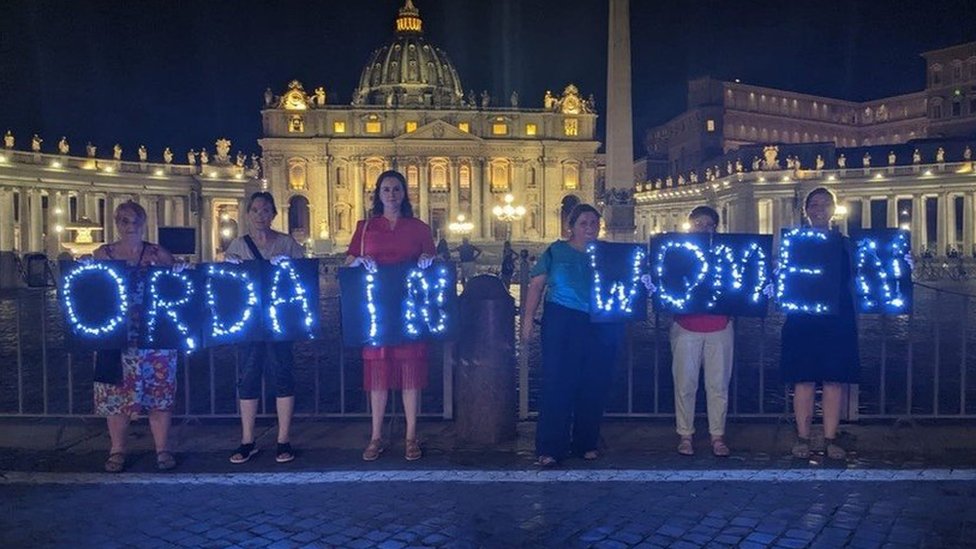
(108, 366)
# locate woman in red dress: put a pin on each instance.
(391, 235)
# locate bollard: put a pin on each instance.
(485, 374)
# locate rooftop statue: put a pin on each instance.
(268, 97)
(916, 157)
(769, 153)
(240, 159)
(8, 140)
(204, 157)
(570, 102)
(36, 143)
(891, 158)
(513, 99)
(967, 154)
(590, 104)
(820, 162)
(940, 155)
(143, 154)
(223, 151)
(91, 150)
(63, 145)
(167, 156)
(549, 102)
(485, 99)
(866, 161)
(191, 157)
(319, 99)
(841, 161)
(117, 152)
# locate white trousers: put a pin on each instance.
(690, 351)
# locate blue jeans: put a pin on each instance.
(578, 357)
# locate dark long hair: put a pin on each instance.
(579, 210)
(267, 197)
(406, 209)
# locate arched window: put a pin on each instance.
(413, 177)
(374, 167)
(570, 177)
(464, 176)
(298, 218)
(438, 175)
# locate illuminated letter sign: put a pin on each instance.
(172, 310)
(233, 303)
(809, 279)
(883, 279)
(96, 303)
(397, 304)
(740, 272)
(617, 293)
(291, 299)
(679, 269)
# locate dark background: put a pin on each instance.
(181, 74)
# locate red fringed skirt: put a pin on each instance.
(395, 367)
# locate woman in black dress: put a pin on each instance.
(822, 348)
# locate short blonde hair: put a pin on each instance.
(133, 207)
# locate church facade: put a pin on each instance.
(460, 153)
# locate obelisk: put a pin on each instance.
(619, 174)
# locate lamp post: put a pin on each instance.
(508, 214)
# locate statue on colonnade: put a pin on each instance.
(90, 150)
(117, 152)
(167, 156)
(223, 151)
(204, 157)
(63, 147)
(191, 157)
(8, 140)
(36, 143)
(143, 153)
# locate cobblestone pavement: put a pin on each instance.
(583, 508)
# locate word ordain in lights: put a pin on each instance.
(300, 296)
(122, 303)
(420, 306)
(219, 328)
(621, 298)
(724, 255)
(786, 269)
(868, 259)
(663, 292)
(168, 307)
(371, 308)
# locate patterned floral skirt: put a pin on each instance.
(148, 383)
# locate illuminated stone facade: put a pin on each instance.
(460, 153)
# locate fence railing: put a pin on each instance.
(913, 366)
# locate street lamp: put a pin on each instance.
(508, 214)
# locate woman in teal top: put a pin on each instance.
(577, 355)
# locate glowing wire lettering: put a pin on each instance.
(121, 294)
(419, 306)
(168, 306)
(725, 256)
(621, 299)
(787, 269)
(219, 327)
(371, 308)
(283, 269)
(678, 247)
(889, 280)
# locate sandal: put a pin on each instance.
(115, 462)
(801, 448)
(284, 453)
(165, 460)
(834, 451)
(413, 452)
(373, 450)
(719, 448)
(546, 462)
(243, 453)
(685, 447)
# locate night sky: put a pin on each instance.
(181, 74)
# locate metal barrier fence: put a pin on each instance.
(39, 377)
(914, 366)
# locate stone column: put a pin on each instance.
(242, 223)
(179, 211)
(919, 237)
(866, 212)
(167, 211)
(892, 221)
(206, 229)
(477, 194)
(454, 199)
(358, 188)
(35, 237)
(424, 190)
(107, 221)
(942, 225)
(967, 224)
(6, 220)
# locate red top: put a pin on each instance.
(409, 238)
(702, 323)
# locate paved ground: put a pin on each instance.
(905, 487)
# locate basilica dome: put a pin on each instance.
(409, 71)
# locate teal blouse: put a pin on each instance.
(570, 277)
